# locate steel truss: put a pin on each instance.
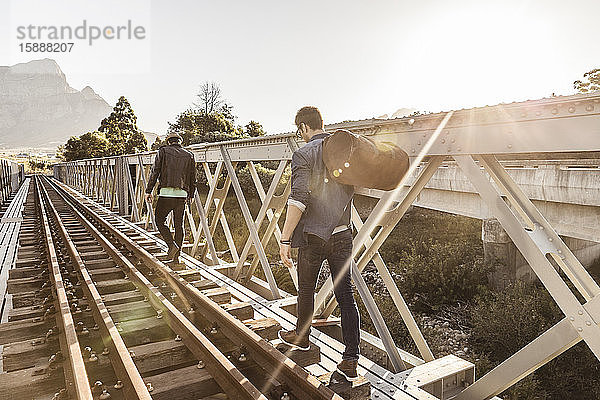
(477, 140)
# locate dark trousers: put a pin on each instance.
(163, 207)
(337, 250)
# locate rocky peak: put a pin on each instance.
(45, 66)
(39, 108)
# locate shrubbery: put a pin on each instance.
(434, 274)
(506, 321)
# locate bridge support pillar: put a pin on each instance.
(499, 251)
(508, 263)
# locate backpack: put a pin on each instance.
(358, 160)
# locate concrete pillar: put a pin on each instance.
(507, 261)
(499, 251)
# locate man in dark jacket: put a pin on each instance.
(318, 223)
(175, 169)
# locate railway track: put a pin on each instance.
(97, 314)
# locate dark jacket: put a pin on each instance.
(175, 167)
(326, 204)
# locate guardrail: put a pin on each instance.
(11, 176)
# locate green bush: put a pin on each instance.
(506, 321)
(434, 274)
(503, 322)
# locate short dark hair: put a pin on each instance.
(310, 116)
(172, 140)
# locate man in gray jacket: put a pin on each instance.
(175, 169)
(318, 223)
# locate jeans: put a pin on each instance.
(163, 207)
(337, 250)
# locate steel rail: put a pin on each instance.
(229, 378)
(126, 370)
(302, 384)
(77, 379)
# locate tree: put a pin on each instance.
(195, 126)
(121, 130)
(157, 143)
(211, 120)
(591, 81)
(210, 98)
(88, 145)
(254, 129)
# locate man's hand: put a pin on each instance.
(285, 252)
(149, 197)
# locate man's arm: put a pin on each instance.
(192, 179)
(291, 221)
(299, 199)
(154, 175)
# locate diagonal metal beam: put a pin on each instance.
(262, 195)
(261, 216)
(145, 183)
(250, 224)
(377, 318)
(203, 223)
(397, 298)
(135, 216)
(279, 203)
(550, 241)
(218, 196)
(578, 316)
(534, 355)
(400, 200)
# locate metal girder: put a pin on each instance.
(250, 224)
(535, 255)
(541, 350)
(397, 297)
(564, 124)
(261, 214)
(135, 215)
(218, 196)
(377, 318)
(278, 204)
(540, 230)
(145, 183)
(262, 195)
(203, 223)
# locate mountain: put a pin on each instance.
(38, 108)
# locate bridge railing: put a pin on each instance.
(477, 142)
(11, 176)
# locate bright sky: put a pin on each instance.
(352, 59)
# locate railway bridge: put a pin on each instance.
(89, 260)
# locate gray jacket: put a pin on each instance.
(326, 204)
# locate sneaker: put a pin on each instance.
(173, 253)
(348, 369)
(294, 341)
